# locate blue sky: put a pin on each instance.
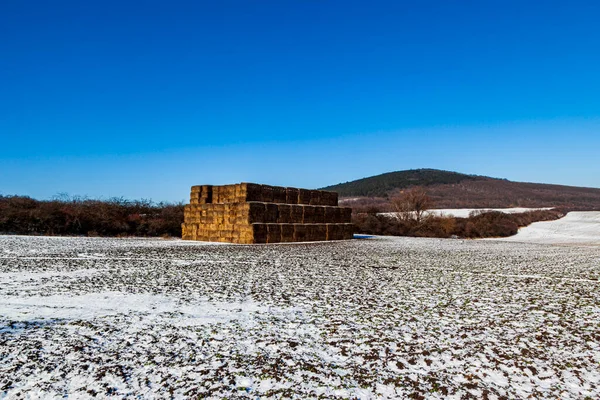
(144, 99)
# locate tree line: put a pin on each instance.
(411, 217)
(66, 215)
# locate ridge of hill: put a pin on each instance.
(455, 190)
(381, 185)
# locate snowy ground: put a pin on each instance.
(576, 228)
(465, 212)
(377, 318)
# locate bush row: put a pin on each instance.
(478, 225)
(76, 216)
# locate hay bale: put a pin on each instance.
(279, 195)
(259, 233)
(291, 195)
(267, 194)
(319, 217)
(273, 233)
(348, 231)
(329, 214)
(316, 232)
(250, 192)
(315, 197)
(329, 198)
(304, 196)
(271, 211)
(346, 214)
(335, 232)
(284, 213)
(287, 232)
(299, 232)
(251, 212)
(296, 213)
(308, 216)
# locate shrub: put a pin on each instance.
(77, 216)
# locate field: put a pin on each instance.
(373, 318)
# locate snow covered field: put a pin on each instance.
(576, 228)
(465, 212)
(377, 318)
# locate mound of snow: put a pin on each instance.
(582, 227)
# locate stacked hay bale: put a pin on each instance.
(253, 213)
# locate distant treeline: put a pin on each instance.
(120, 217)
(91, 217)
(478, 225)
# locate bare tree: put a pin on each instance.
(412, 203)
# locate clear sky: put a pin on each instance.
(143, 99)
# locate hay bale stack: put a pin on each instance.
(252, 213)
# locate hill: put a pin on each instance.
(455, 190)
(382, 185)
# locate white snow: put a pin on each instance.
(147, 307)
(582, 228)
(385, 318)
(465, 212)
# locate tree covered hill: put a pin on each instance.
(382, 185)
(455, 190)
